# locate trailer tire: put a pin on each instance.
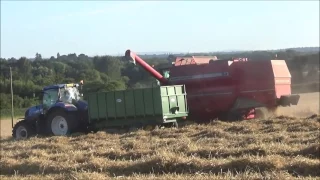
(23, 130)
(61, 123)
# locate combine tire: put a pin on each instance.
(23, 130)
(61, 123)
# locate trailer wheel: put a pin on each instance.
(23, 130)
(60, 123)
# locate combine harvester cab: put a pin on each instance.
(229, 89)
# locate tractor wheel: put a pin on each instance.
(23, 130)
(61, 123)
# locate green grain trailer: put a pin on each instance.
(160, 105)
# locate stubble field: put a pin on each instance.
(283, 147)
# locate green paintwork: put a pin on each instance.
(154, 105)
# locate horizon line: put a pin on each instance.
(150, 53)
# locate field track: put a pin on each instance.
(284, 147)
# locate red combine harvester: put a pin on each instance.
(234, 89)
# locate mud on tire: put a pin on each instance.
(23, 130)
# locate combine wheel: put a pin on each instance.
(23, 130)
(59, 123)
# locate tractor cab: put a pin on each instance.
(66, 93)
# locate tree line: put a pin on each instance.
(100, 73)
(109, 73)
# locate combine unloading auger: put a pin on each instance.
(132, 57)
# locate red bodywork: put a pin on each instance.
(221, 87)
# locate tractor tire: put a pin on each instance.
(61, 123)
(23, 130)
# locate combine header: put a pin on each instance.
(233, 89)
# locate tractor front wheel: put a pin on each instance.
(23, 130)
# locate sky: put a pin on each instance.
(112, 27)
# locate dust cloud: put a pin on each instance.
(307, 106)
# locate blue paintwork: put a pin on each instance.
(33, 112)
(82, 105)
(68, 107)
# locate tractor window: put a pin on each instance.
(50, 97)
(69, 94)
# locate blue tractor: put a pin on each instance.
(62, 111)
